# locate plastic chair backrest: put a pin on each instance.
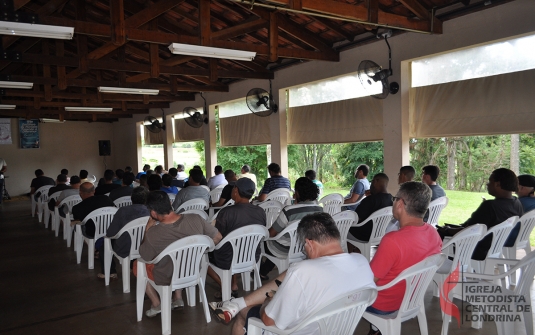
(465, 242)
(213, 217)
(200, 204)
(344, 220)
(527, 264)
(527, 223)
(215, 194)
(295, 253)
(102, 218)
(332, 203)
(272, 208)
(123, 201)
(381, 218)
(205, 187)
(199, 212)
(435, 208)
(500, 233)
(136, 230)
(244, 242)
(43, 189)
(44, 196)
(71, 200)
(172, 197)
(281, 195)
(54, 196)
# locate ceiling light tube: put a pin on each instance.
(89, 109)
(51, 121)
(202, 51)
(36, 30)
(15, 84)
(7, 106)
(123, 90)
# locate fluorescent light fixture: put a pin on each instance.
(36, 30)
(7, 106)
(15, 84)
(103, 89)
(202, 51)
(51, 121)
(89, 109)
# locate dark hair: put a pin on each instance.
(139, 195)
(416, 196)
(229, 174)
(39, 172)
(167, 179)
(75, 180)
(128, 178)
(306, 189)
(408, 171)
(119, 173)
(146, 167)
(432, 170)
(65, 172)
(196, 175)
(382, 176)
(197, 167)
(83, 174)
(173, 172)
(180, 167)
(149, 172)
(319, 227)
(128, 169)
(246, 168)
(108, 175)
(507, 178)
(62, 178)
(364, 168)
(158, 201)
(158, 169)
(143, 179)
(218, 169)
(274, 167)
(310, 174)
(154, 182)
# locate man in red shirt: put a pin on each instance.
(414, 241)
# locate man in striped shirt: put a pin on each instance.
(275, 181)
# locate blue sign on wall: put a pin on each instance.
(29, 133)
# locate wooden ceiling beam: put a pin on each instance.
(154, 58)
(118, 36)
(339, 30)
(417, 8)
(302, 34)
(273, 34)
(240, 29)
(204, 22)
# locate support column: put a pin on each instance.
(396, 129)
(278, 132)
(210, 150)
(168, 140)
(139, 148)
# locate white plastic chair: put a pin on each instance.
(135, 229)
(69, 201)
(123, 201)
(50, 216)
(200, 204)
(381, 218)
(464, 243)
(355, 203)
(344, 220)
(35, 203)
(206, 188)
(45, 211)
(211, 210)
(187, 255)
(244, 242)
(199, 212)
(295, 253)
(332, 203)
(527, 223)
(281, 195)
(484, 286)
(215, 194)
(272, 208)
(172, 197)
(417, 279)
(102, 218)
(339, 316)
(500, 233)
(435, 208)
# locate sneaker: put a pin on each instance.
(153, 311)
(374, 332)
(225, 310)
(178, 303)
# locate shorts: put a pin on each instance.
(149, 268)
(254, 312)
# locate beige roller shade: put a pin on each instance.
(247, 129)
(153, 138)
(351, 120)
(502, 104)
(186, 133)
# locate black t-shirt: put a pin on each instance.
(203, 182)
(120, 192)
(231, 218)
(42, 181)
(227, 191)
(106, 188)
(366, 208)
(81, 210)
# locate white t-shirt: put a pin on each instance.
(312, 282)
(181, 175)
(217, 180)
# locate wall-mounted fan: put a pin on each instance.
(370, 72)
(193, 117)
(153, 125)
(260, 102)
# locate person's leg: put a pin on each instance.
(113, 270)
(153, 295)
(238, 328)
(212, 274)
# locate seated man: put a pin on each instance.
(311, 174)
(84, 176)
(181, 175)
(66, 172)
(526, 190)
(406, 173)
(154, 182)
(302, 289)
(203, 178)
(401, 249)
(39, 181)
(275, 181)
(230, 218)
(125, 189)
(146, 167)
(429, 176)
(379, 198)
(89, 203)
(246, 173)
(305, 195)
(74, 189)
(226, 194)
(119, 174)
(124, 215)
(165, 227)
(61, 185)
(194, 191)
(167, 179)
(359, 188)
(108, 184)
(159, 170)
(502, 183)
(217, 179)
(175, 182)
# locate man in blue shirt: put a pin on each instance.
(526, 190)
(361, 185)
(275, 181)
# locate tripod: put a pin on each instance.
(3, 191)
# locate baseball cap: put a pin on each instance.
(526, 180)
(246, 186)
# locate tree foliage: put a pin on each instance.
(351, 155)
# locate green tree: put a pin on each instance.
(351, 155)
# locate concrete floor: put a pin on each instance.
(44, 291)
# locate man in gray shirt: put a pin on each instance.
(193, 191)
(429, 176)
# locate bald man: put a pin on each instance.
(89, 203)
